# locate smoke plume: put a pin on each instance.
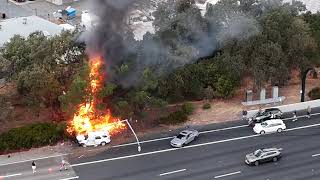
(114, 39)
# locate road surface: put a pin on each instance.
(216, 154)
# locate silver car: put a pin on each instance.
(263, 155)
(184, 137)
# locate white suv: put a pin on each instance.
(94, 139)
(269, 126)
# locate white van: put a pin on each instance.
(94, 139)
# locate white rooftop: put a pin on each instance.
(24, 26)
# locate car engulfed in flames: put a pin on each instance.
(88, 118)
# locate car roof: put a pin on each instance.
(272, 121)
(270, 150)
(272, 109)
(186, 132)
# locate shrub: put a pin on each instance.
(187, 108)
(175, 118)
(206, 106)
(34, 135)
(314, 93)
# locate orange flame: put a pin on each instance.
(87, 118)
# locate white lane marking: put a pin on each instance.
(185, 147)
(172, 172)
(315, 155)
(47, 157)
(229, 174)
(12, 175)
(76, 177)
(203, 132)
(165, 138)
(141, 142)
(223, 129)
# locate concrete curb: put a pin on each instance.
(292, 107)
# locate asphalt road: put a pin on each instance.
(217, 154)
(47, 169)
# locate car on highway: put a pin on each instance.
(184, 138)
(263, 155)
(266, 114)
(269, 126)
(94, 139)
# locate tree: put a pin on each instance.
(39, 84)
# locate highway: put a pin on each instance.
(217, 154)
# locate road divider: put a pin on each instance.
(172, 172)
(229, 174)
(185, 147)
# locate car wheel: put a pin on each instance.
(274, 159)
(279, 130)
(103, 143)
(262, 132)
(256, 163)
(83, 145)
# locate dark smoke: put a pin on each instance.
(114, 39)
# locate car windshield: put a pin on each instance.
(264, 124)
(180, 136)
(257, 153)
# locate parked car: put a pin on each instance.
(263, 155)
(94, 139)
(269, 126)
(266, 114)
(184, 138)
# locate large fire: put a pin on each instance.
(88, 118)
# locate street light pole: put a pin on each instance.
(139, 147)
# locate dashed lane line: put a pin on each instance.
(185, 147)
(172, 172)
(229, 174)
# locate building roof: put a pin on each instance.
(24, 26)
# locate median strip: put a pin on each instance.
(172, 172)
(229, 174)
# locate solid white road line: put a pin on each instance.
(170, 137)
(203, 132)
(229, 174)
(223, 129)
(27, 160)
(185, 147)
(172, 172)
(76, 177)
(315, 155)
(12, 175)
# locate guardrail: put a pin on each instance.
(292, 107)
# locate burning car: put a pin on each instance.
(94, 139)
(91, 125)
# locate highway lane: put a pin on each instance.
(217, 160)
(223, 132)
